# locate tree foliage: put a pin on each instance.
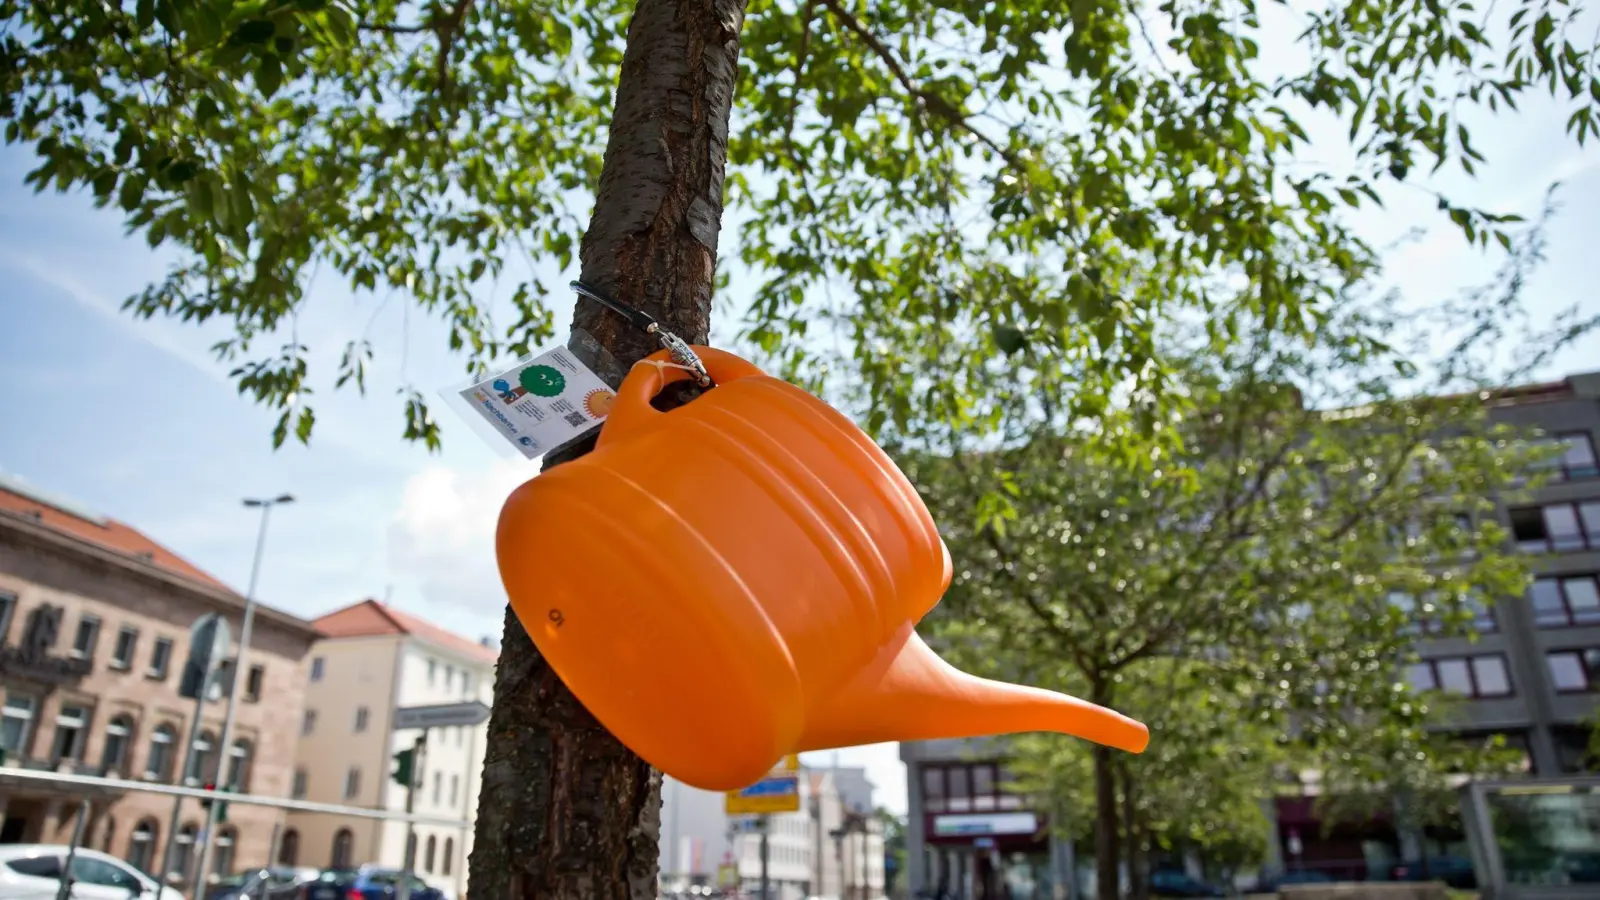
(1253, 589)
(1061, 176)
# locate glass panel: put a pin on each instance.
(960, 790)
(1579, 459)
(1546, 838)
(1583, 597)
(983, 789)
(1490, 672)
(1566, 672)
(1528, 529)
(1420, 676)
(933, 788)
(1561, 522)
(1547, 606)
(1591, 519)
(1453, 676)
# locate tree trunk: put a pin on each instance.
(1133, 845)
(1107, 820)
(566, 812)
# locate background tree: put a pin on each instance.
(1252, 588)
(445, 151)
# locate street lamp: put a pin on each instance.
(241, 669)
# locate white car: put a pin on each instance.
(33, 872)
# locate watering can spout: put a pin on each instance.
(912, 694)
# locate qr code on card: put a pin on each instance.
(576, 419)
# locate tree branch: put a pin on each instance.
(930, 100)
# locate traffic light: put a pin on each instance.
(222, 805)
(404, 773)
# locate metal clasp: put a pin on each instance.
(676, 347)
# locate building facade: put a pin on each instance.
(1531, 671)
(967, 837)
(94, 633)
(373, 660)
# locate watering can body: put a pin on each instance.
(739, 579)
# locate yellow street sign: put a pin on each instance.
(773, 794)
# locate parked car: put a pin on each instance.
(366, 883)
(1175, 883)
(275, 883)
(1269, 884)
(1454, 871)
(33, 872)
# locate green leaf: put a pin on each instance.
(269, 76)
(1008, 339)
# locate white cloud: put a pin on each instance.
(443, 534)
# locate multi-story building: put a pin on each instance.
(372, 660)
(966, 836)
(831, 848)
(94, 632)
(1532, 669)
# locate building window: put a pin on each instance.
(1559, 526)
(87, 636)
(16, 724)
(252, 683)
(289, 848)
(438, 787)
(298, 791)
(182, 855)
(1566, 600)
(343, 849)
(72, 724)
(160, 659)
(1574, 671)
(1478, 677)
(8, 608)
(352, 783)
(466, 684)
(966, 787)
(1577, 459)
(308, 722)
(222, 853)
(199, 758)
(455, 790)
(1424, 618)
(122, 652)
(449, 855)
(361, 719)
(118, 733)
(430, 854)
(158, 766)
(433, 673)
(239, 766)
(317, 666)
(142, 846)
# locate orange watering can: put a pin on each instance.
(738, 579)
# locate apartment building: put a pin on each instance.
(372, 660)
(94, 630)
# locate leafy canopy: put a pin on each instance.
(1064, 176)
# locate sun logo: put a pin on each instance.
(598, 402)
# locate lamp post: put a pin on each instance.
(241, 673)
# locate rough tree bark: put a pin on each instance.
(566, 812)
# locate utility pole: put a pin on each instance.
(208, 646)
(764, 825)
(419, 752)
(241, 674)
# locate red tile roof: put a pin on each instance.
(105, 533)
(370, 618)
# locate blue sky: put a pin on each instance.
(139, 421)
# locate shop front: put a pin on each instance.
(988, 856)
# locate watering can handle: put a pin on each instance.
(645, 380)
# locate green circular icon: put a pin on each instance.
(542, 381)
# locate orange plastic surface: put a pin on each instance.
(739, 579)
